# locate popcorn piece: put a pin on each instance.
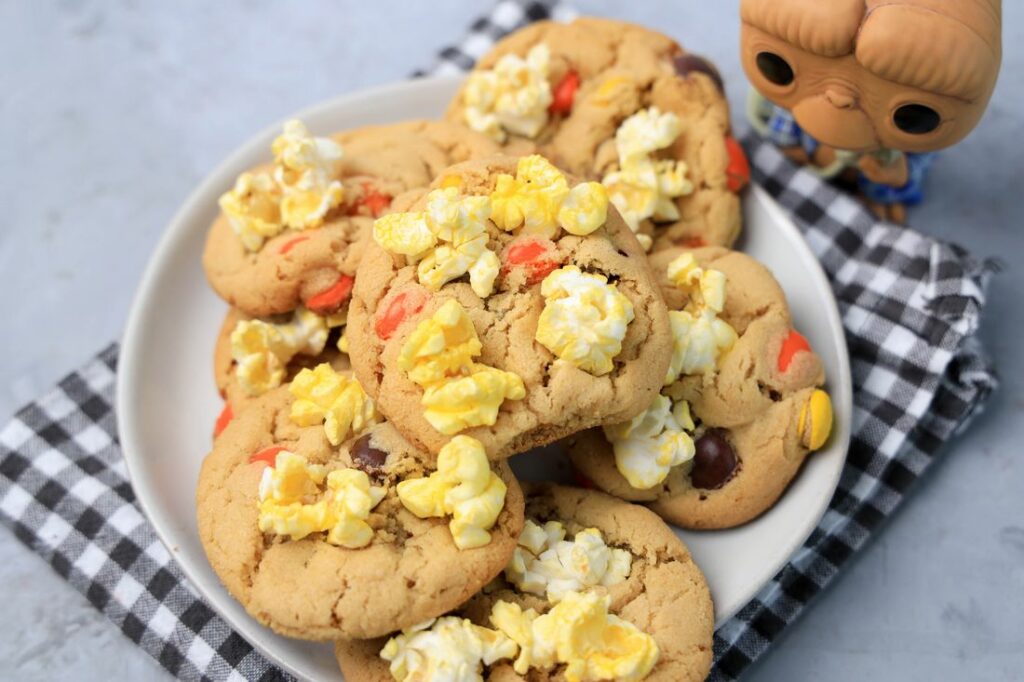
(458, 392)
(464, 487)
(513, 97)
(585, 208)
(544, 563)
(532, 200)
(406, 234)
(306, 171)
(336, 400)
(584, 319)
(447, 649)
(649, 445)
(699, 337)
(262, 350)
(643, 187)
(293, 503)
(252, 209)
(579, 633)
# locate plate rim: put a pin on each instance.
(176, 230)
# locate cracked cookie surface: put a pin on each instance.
(619, 69)
(295, 266)
(750, 401)
(410, 571)
(665, 595)
(560, 398)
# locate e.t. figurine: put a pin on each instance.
(867, 90)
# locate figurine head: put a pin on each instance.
(860, 75)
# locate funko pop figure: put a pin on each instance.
(867, 90)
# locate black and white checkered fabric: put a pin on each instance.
(910, 305)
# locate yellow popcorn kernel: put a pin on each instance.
(306, 169)
(293, 503)
(699, 336)
(448, 648)
(584, 319)
(463, 402)
(349, 501)
(513, 97)
(336, 400)
(580, 634)
(464, 486)
(252, 209)
(648, 446)
(585, 208)
(441, 346)
(343, 341)
(405, 234)
(262, 349)
(645, 132)
(544, 563)
(815, 421)
(530, 201)
(610, 87)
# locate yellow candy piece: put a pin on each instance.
(584, 319)
(818, 410)
(464, 486)
(336, 400)
(252, 209)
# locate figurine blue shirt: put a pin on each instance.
(778, 125)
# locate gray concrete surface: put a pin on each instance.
(113, 110)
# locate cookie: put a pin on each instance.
(742, 408)
(289, 233)
(322, 541)
(624, 105)
(510, 304)
(254, 355)
(632, 560)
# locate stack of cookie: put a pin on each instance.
(414, 305)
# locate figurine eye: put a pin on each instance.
(916, 119)
(774, 68)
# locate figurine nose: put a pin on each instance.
(840, 98)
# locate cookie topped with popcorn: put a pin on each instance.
(598, 589)
(621, 105)
(741, 407)
(311, 505)
(509, 302)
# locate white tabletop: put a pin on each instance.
(113, 111)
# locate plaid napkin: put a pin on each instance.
(910, 305)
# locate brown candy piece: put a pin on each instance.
(714, 461)
(366, 457)
(688, 63)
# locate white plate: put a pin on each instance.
(167, 402)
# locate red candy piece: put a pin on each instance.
(535, 254)
(372, 199)
(267, 455)
(565, 93)
(331, 299)
(401, 306)
(226, 415)
(693, 242)
(793, 344)
(290, 244)
(738, 170)
(582, 481)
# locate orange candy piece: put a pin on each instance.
(225, 417)
(738, 171)
(401, 306)
(330, 300)
(536, 254)
(290, 244)
(372, 199)
(794, 343)
(565, 93)
(266, 456)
